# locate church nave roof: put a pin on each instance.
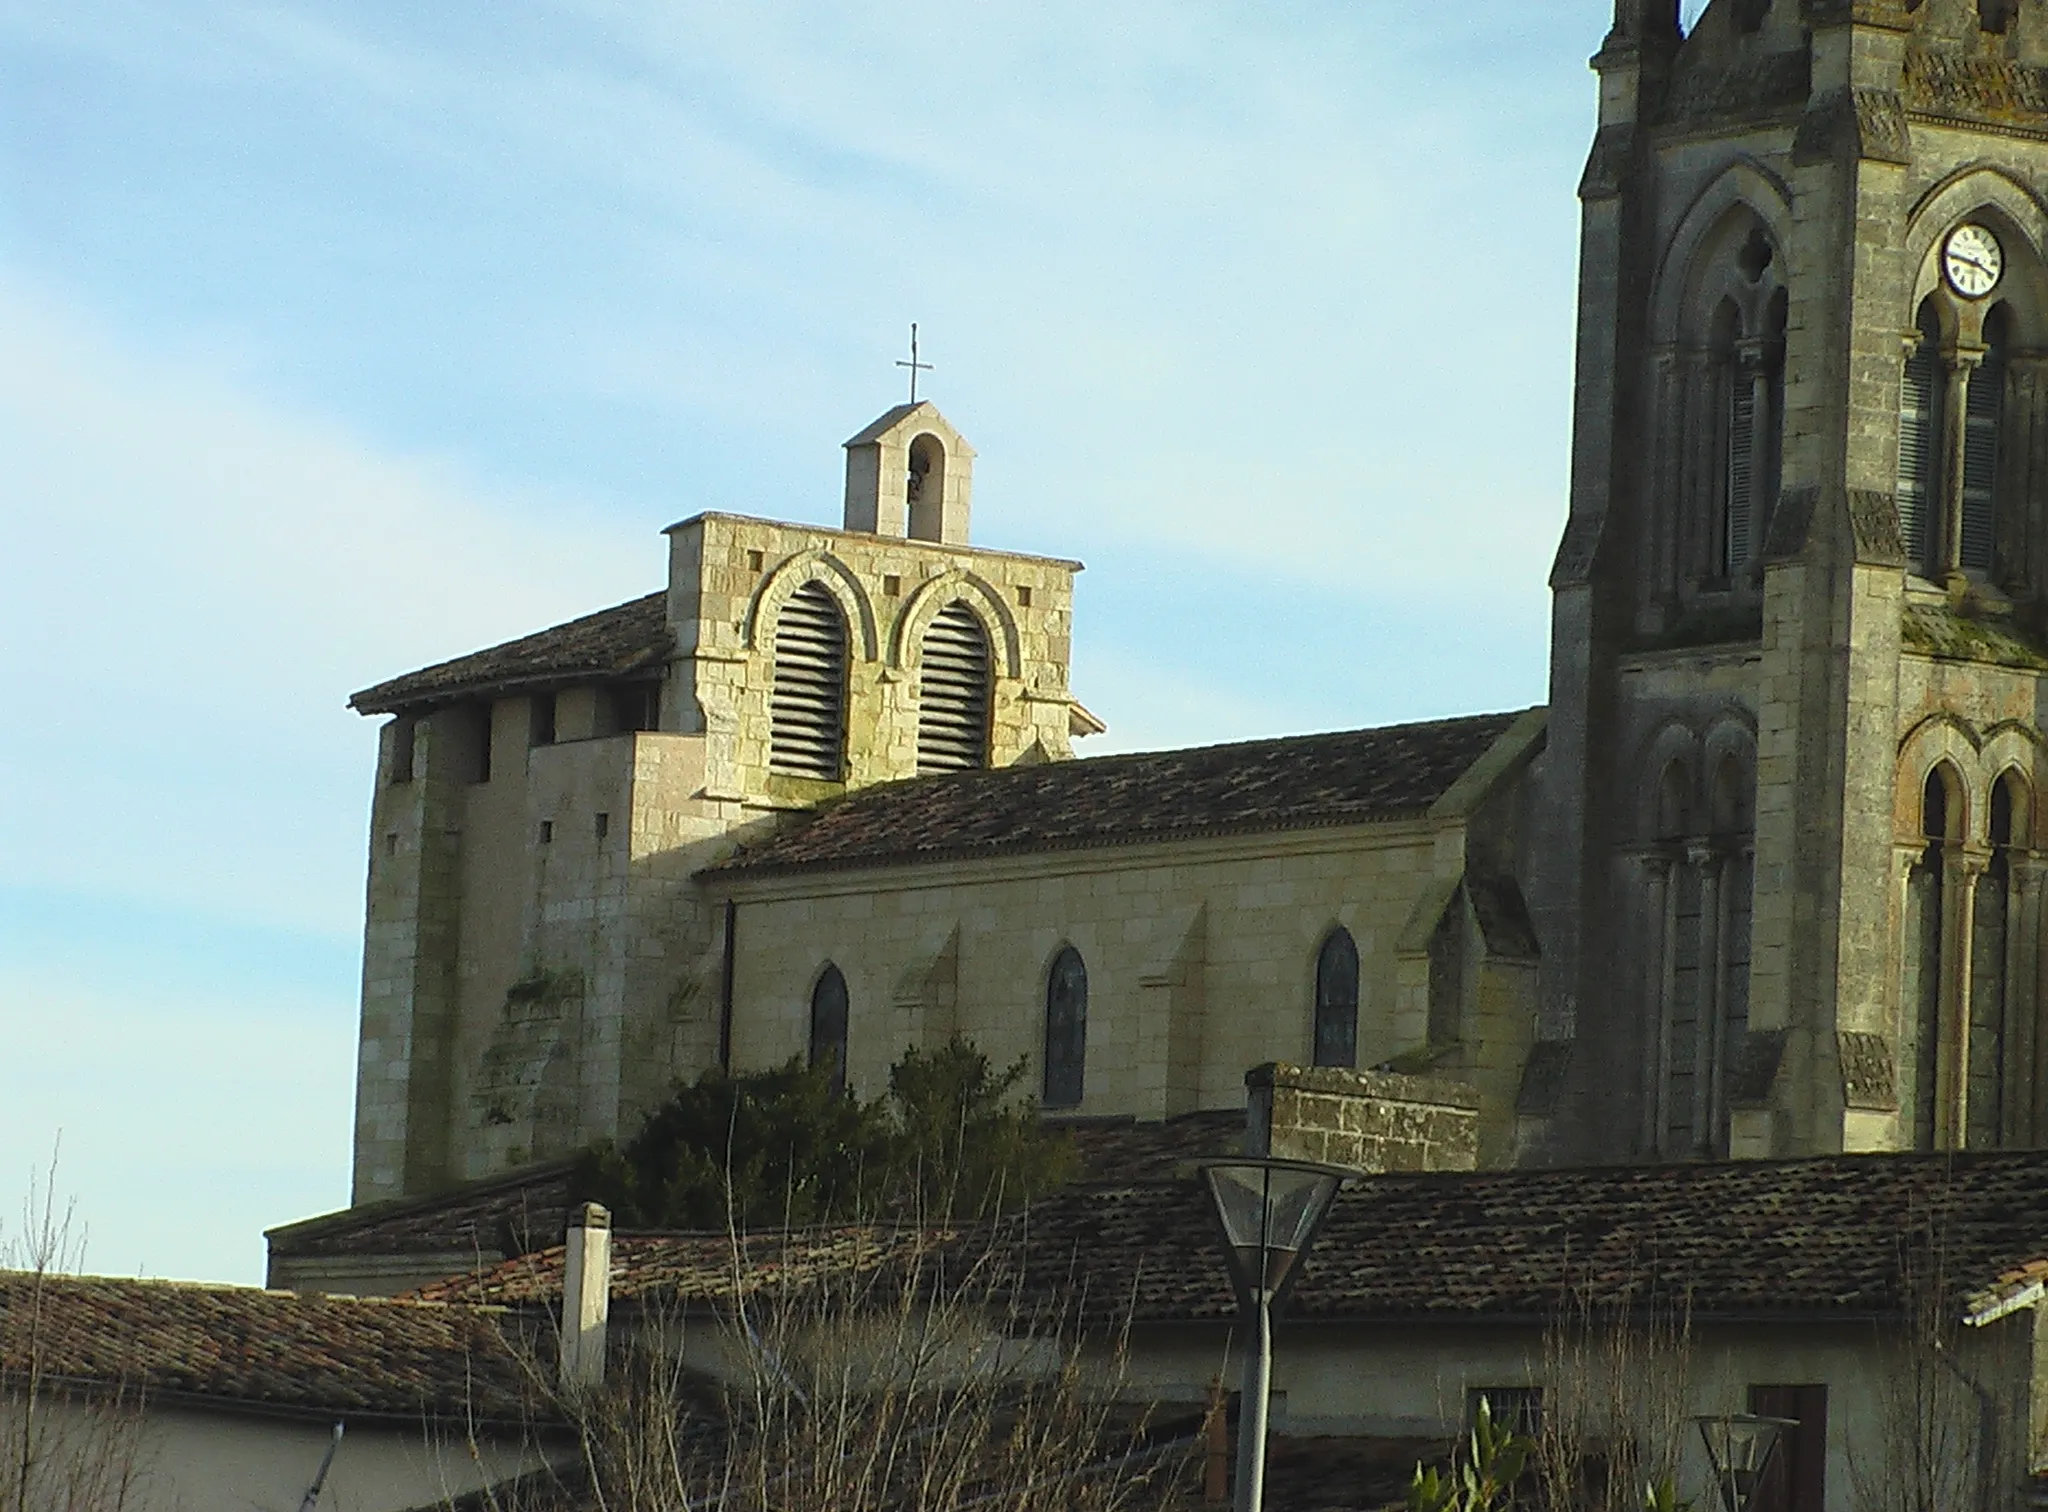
(1299, 782)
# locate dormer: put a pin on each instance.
(910, 475)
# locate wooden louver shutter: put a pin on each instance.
(807, 709)
(1919, 446)
(1741, 468)
(1980, 461)
(953, 693)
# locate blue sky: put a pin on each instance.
(337, 339)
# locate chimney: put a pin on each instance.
(586, 1297)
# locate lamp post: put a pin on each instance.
(1740, 1445)
(1269, 1211)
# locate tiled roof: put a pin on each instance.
(1837, 1235)
(509, 1214)
(701, 1269)
(1307, 781)
(273, 1351)
(617, 642)
(1126, 1150)
(528, 1209)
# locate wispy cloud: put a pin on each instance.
(342, 339)
(194, 583)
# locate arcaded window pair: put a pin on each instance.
(807, 704)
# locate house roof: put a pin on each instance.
(528, 1209)
(620, 641)
(509, 1214)
(1847, 1236)
(1303, 782)
(263, 1350)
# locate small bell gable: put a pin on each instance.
(910, 475)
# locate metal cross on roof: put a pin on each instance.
(914, 365)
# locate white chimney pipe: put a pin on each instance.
(586, 1297)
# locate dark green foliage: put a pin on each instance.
(796, 1153)
(959, 1147)
(942, 1143)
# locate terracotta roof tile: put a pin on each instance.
(1126, 1150)
(275, 1351)
(628, 638)
(509, 1214)
(1307, 781)
(1838, 1235)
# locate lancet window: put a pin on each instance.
(1066, 1029)
(807, 705)
(1969, 1009)
(1952, 490)
(829, 1026)
(1700, 862)
(1719, 405)
(1336, 1018)
(1973, 413)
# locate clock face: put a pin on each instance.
(1972, 260)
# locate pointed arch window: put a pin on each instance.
(953, 692)
(807, 706)
(1066, 1029)
(1748, 395)
(1336, 1026)
(1994, 1050)
(829, 1026)
(1926, 935)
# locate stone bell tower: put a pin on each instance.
(1788, 890)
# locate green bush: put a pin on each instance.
(767, 1149)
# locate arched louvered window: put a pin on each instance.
(1920, 443)
(953, 692)
(807, 708)
(1066, 1029)
(1983, 410)
(828, 1026)
(1337, 1000)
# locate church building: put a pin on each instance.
(1761, 879)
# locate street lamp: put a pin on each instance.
(1270, 1211)
(1740, 1445)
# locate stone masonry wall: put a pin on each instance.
(729, 578)
(1370, 1121)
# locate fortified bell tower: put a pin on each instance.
(1790, 892)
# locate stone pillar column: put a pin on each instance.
(1707, 1098)
(2026, 1045)
(1963, 865)
(1660, 554)
(1662, 903)
(1955, 418)
(1694, 511)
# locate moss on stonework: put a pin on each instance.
(1420, 1060)
(543, 988)
(1728, 625)
(1939, 631)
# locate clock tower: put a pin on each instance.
(1789, 884)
